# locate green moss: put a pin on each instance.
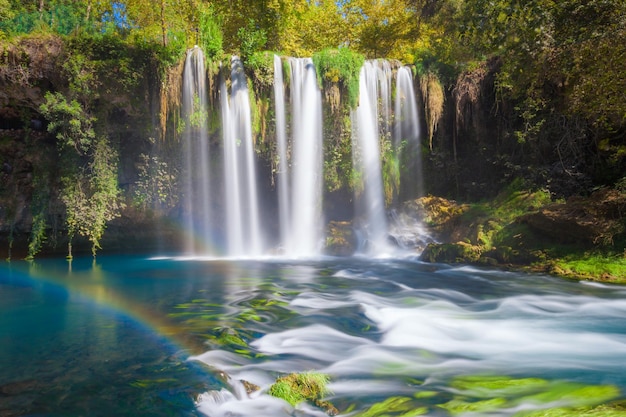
(394, 406)
(481, 394)
(576, 395)
(460, 252)
(340, 66)
(306, 386)
(260, 66)
(601, 267)
(488, 386)
(600, 411)
(458, 406)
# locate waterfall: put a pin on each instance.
(196, 201)
(370, 201)
(305, 229)
(384, 76)
(243, 229)
(406, 135)
(282, 169)
(407, 231)
(299, 164)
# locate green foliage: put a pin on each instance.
(390, 169)
(340, 66)
(68, 120)
(6, 13)
(89, 171)
(558, 66)
(199, 117)
(295, 388)
(261, 65)
(37, 235)
(91, 196)
(81, 72)
(58, 17)
(339, 171)
(252, 38)
(210, 37)
(39, 209)
(104, 198)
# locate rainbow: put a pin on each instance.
(92, 286)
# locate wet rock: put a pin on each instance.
(340, 239)
(440, 215)
(249, 386)
(459, 252)
(588, 220)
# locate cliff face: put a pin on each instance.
(134, 99)
(123, 106)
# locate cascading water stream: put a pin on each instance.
(370, 205)
(299, 177)
(407, 231)
(305, 217)
(243, 231)
(300, 157)
(197, 209)
(282, 172)
(405, 108)
(384, 76)
(407, 125)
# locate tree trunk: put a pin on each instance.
(88, 14)
(41, 2)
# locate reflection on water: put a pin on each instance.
(166, 336)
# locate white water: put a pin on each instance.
(432, 327)
(242, 206)
(282, 169)
(407, 128)
(407, 231)
(405, 109)
(384, 76)
(197, 209)
(307, 165)
(370, 200)
(299, 166)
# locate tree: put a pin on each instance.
(312, 27)
(382, 28)
(88, 168)
(167, 22)
(6, 11)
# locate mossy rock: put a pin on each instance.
(307, 386)
(438, 213)
(340, 239)
(459, 252)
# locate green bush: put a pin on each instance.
(340, 65)
(210, 37)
